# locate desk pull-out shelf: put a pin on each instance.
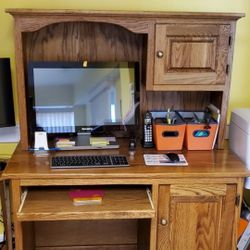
(55, 204)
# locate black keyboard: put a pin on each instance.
(88, 161)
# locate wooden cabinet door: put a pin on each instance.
(191, 54)
(196, 217)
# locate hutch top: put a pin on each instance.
(185, 58)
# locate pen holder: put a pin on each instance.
(200, 130)
(169, 136)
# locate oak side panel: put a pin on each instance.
(226, 93)
(6, 212)
(150, 58)
(16, 201)
(21, 90)
(228, 220)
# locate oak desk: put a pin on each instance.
(196, 206)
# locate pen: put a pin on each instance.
(168, 116)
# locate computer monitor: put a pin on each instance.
(79, 97)
(7, 115)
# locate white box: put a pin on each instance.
(239, 134)
(239, 137)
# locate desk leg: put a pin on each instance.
(16, 201)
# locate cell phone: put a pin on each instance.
(148, 130)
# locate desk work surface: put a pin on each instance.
(206, 164)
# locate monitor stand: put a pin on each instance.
(82, 141)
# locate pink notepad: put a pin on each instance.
(82, 193)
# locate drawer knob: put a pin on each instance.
(164, 222)
(159, 54)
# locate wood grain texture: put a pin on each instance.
(21, 90)
(144, 229)
(184, 60)
(155, 179)
(163, 232)
(28, 235)
(226, 93)
(108, 247)
(237, 212)
(196, 200)
(192, 54)
(79, 233)
(72, 41)
(196, 57)
(228, 221)
(31, 21)
(54, 204)
(101, 13)
(16, 200)
(153, 100)
(196, 216)
(197, 190)
(154, 221)
(202, 164)
(6, 212)
(196, 223)
(72, 35)
(78, 41)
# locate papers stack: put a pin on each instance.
(64, 142)
(163, 160)
(98, 141)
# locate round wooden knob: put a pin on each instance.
(164, 222)
(159, 54)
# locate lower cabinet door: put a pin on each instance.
(197, 216)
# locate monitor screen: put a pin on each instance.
(7, 116)
(68, 97)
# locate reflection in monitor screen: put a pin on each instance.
(69, 97)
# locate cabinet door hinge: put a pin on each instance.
(230, 41)
(227, 69)
(237, 200)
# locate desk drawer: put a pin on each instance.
(41, 204)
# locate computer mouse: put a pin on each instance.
(173, 157)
